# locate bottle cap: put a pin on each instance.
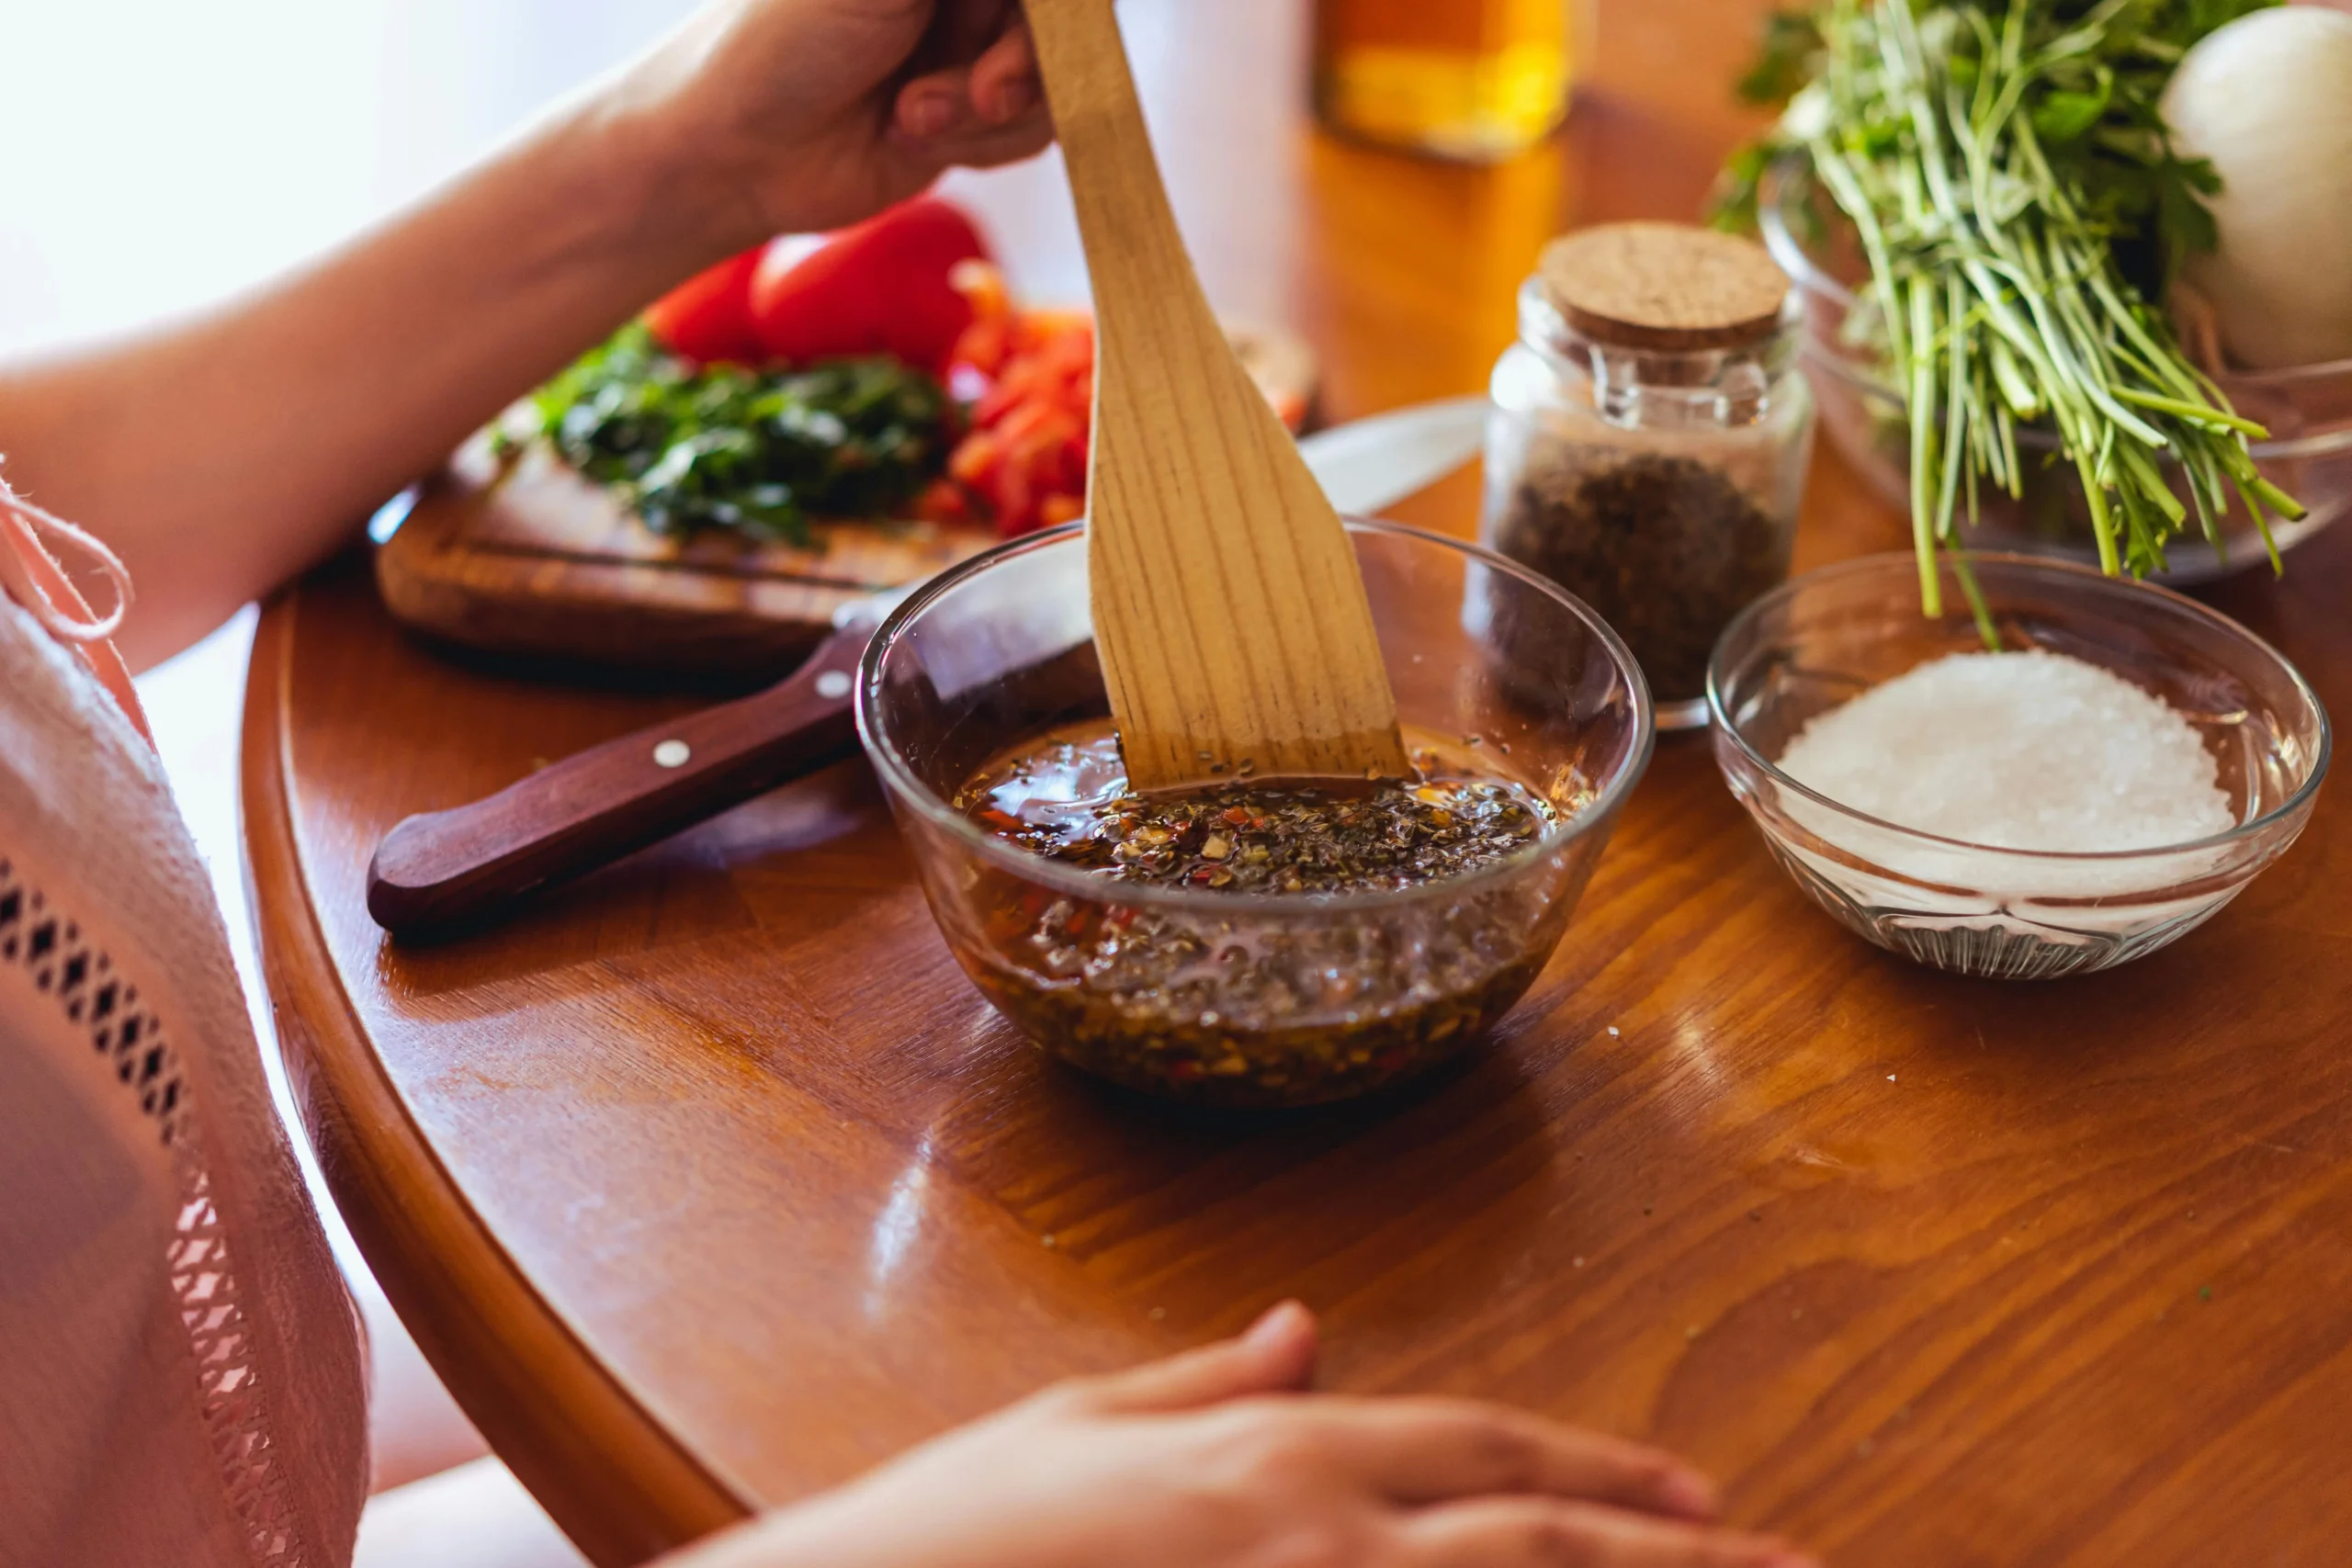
(1674, 287)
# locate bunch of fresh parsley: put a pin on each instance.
(2005, 166)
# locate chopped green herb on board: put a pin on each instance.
(756, 452)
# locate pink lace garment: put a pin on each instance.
(185, 1384)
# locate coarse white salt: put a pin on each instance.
(2031, 750)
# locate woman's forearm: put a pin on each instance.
(221, 453)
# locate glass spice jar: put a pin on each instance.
(1649, 440)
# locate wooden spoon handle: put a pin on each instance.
(1141, 276)
(1235, 632)
(450, 868)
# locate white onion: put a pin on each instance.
(2269, 100)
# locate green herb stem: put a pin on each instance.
(2007, 169)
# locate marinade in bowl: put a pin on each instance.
(1261, 943)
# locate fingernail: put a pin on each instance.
(1690, 1495)
(931, 113)
(1014, 99)
(1277, 1325)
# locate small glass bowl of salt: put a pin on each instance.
(2101, 786)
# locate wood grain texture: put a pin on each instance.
(538, 1393)
(1233, 628)
(710, 1180)
(526, 559)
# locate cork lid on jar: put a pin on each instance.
(1671, 287)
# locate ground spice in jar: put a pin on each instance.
(1649, 440)
(1256, 1006)
(1665, 547)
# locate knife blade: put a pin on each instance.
(1371, 465)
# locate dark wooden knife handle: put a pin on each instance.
(454, 868)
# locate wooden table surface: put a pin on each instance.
(711, 1180)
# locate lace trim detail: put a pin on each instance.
(127, 1038)
(205, 1279)
(126, 1035)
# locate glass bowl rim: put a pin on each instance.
(2296, 803)
(1771, 221)
(904, 784)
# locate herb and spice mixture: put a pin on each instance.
(1288, 1000)
(1068, 802)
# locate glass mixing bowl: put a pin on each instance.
(2012, 914)
(1255, 1000)
(2307, 409)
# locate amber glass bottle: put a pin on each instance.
(1476, 79)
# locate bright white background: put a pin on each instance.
(155, 154)
(160, 152)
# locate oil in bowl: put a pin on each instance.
(1308, 1010)
(1260, 942)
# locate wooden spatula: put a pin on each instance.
(1235, 633)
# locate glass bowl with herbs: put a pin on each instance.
(2018, 189)
(1262, 942)
(2305, 410)
(2125, 763)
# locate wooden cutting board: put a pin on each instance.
(523, 557)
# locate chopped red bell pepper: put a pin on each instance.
(883, 287)
(707, 319)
